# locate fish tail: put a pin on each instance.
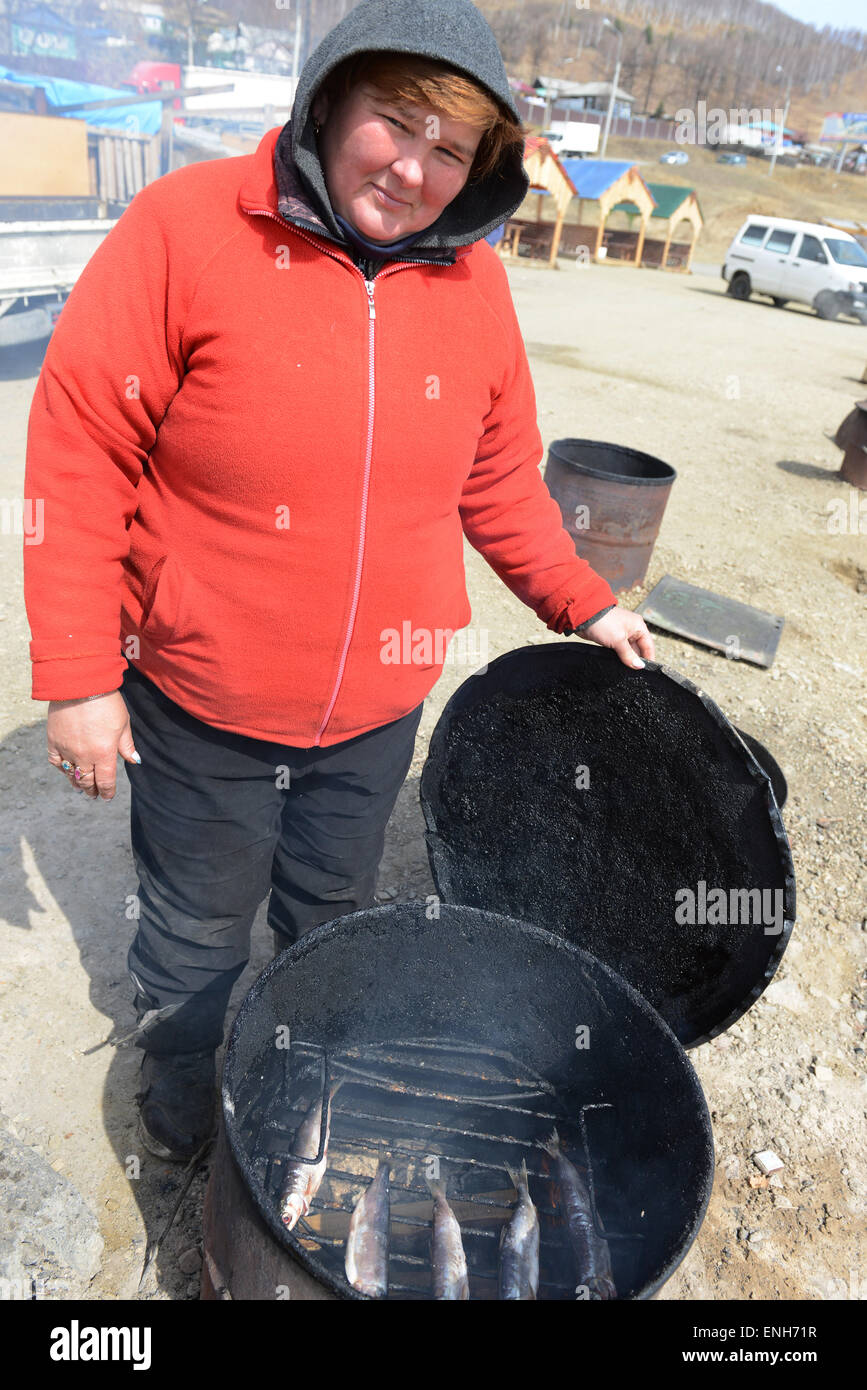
(518, 1176)
(551, 1145)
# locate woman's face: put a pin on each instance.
(391, 169)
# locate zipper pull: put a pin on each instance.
(369, 286)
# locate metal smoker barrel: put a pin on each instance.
(426, 1019)
(612, 500)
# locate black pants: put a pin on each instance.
(215, 827)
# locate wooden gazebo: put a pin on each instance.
(675, 204)
(608, 182)
(547, 176)
(605, 182)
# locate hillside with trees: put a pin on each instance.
(675, 53)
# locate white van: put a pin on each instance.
(801, 261)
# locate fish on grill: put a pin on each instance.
(519, 1244)
(366, 1259)
(302, 1180)
(592, 1256)
(448, 1261)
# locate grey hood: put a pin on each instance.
(453, 31)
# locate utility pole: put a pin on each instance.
(778, 140)
(307, 27)
(608, 24)
(296, 52)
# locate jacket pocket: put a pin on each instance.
(162, 600)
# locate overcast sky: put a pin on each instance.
(843, 14)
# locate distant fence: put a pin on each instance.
(629, 127)
(121, 163)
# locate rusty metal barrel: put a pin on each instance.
(851, 437)
(612, 499)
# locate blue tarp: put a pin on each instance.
(591, 177)
(143, 119)
(496, 235)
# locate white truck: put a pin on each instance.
(570, 138)
(45, 243)
(251, 91)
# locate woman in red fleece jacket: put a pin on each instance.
(259, 448)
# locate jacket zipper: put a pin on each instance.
(370, 287)
(371, 410)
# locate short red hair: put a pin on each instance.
(408, 77)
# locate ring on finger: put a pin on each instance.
(67, 767)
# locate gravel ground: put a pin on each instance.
(740, 398)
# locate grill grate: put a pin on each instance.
(421, 1102)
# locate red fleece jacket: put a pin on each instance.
(255, 470)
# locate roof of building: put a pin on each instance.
(591, 177)
(563, 88)
(41, 17)
(668, 197)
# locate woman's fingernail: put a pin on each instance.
(639, 665)
(136, 758)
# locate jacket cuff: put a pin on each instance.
(588, 622)
(567, 610)
(75, 677)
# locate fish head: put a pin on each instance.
(293, 1209)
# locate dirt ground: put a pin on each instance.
(740, 398)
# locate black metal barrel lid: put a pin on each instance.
(621, 810)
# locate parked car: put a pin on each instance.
(731, 159)
(804, 262)
(674, 157)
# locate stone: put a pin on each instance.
(190, 1262)
(48, 1233)
(767, 1161)
(786, 994)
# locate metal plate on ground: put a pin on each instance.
(744, 633)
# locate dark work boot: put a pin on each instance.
(178, 1102)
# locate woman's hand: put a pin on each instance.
(87, 735)
(626, 633)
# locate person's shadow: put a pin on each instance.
(68, 859)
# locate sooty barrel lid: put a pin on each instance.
(621, 810)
